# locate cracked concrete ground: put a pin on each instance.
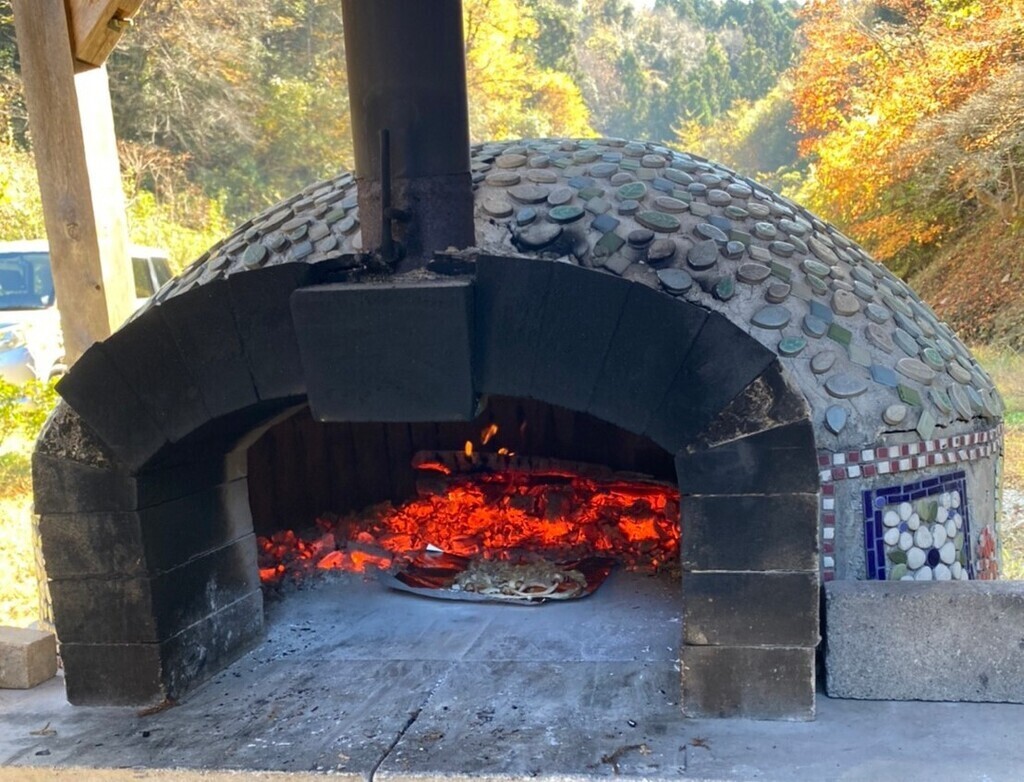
(358, 682)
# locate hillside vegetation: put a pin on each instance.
(898, 120)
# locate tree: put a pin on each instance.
(510, 94)
(880, 87)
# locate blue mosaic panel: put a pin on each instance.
(919, 531)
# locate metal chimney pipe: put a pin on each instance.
(410, 125)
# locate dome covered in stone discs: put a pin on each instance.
(869, 356)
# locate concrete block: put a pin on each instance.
(27, 657)
(938, 641)
(751, 682)
(751, 609)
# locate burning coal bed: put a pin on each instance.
(492, 526)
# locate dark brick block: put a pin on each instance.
(207, 647)
(137, 543)
(768, 402)
(140, 674)
(204, 585)
(774, 532)
(148, 358)
(263, 316)
(112, 674)
(108, 404)
(751, 609)
(777, 461)
(651, 341)
(96, 610)
(206, 469)
(152, 609)
(581, 312)
(203, 327)
(510, 296)
(90, 545)
(774, 683)
(722, 362)
(205, 521)
(388, 352)
(66, 486)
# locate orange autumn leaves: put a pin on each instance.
(874, 81)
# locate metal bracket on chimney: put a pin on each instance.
(391, 251)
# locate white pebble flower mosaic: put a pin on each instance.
(925, 539)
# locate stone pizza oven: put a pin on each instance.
(822, 422)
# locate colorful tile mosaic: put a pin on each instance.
(886, 460)
(919, 531)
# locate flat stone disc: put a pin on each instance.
(931, 357)
(560, 195)
(835, 419)
(845, 386)
(634, 191)
(529, 194)
(880, 338)
(510, 161)
(778, 292)
(703, 255)
(960, 401)
(877, 313)
(845, 303)
(658, 221)
(774, 316)
(814, 327)
(725, 288)
(915, 370)
(959, 374)
(538, 235)
(669, 204)
(569, 213)
(503, 178)
(675, 281)
(753, 273)
(709, 231)
(497, 207)
(895, 414)
(661, 250)
(792, 346)
(542, 176)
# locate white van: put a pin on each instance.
(31, 344)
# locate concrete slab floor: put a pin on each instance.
(359, 682)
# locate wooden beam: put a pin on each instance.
(96, 26)
(79, 177)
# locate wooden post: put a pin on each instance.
(79, 177)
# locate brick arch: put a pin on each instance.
(146, 453)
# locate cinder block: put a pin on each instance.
(751, 682)
(27, 657)
(937, 641)
(751, 609)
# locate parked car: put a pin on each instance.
(31, 343)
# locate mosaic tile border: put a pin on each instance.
(886, 460)
(889, 460)
(876, 500)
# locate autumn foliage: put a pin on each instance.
(880, 95)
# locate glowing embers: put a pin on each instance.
(548, 519)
